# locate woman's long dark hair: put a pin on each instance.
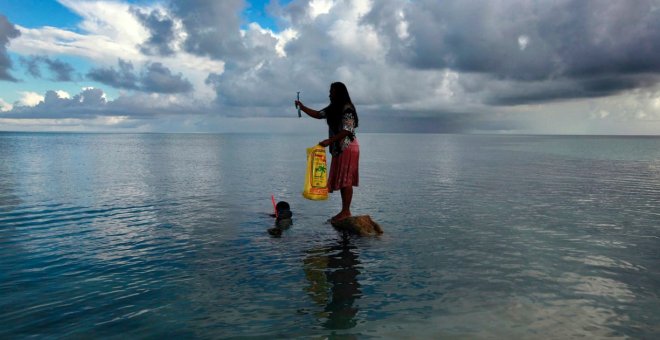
(338, 100)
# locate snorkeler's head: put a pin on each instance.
(282, 205)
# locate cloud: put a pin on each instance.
(213, 27)
(450, 66)
(318, 7)
(108, 30)
(52, 105)
(29, 99)
(160, 79)
(397, 53)
(112, 20)
(426, 58)
(630, 112)
(7, 31)
(63, 94)
(4, 106)
(122, 78)
(162, 29)
(34, 105)
(31, 66)
(155, 78)
(560, 38)
(590, 43)
(61, 71)
(328, 44)
(318, 51)
(507, 93)
(92, 102)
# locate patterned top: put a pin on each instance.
(347, 123)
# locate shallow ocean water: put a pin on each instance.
(154, 235)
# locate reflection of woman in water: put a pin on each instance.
(332, 273)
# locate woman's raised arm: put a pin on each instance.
(310, 112)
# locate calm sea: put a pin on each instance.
(164, 235)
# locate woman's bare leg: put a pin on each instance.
(346, 198)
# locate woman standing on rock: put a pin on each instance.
(342, 120)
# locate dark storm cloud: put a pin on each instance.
(161, 28)
(435, 122)
(155, 78)
(61, 71)
(571, 38)
(528, 41)
(160, 79)
(506, 93)
(122, 78)
(213, 27)
(7, 31)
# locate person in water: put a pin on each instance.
(342, 120)
(283, 217)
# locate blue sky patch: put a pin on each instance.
(39, 13)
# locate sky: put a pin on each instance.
(428, 66)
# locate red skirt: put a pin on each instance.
(344, 168)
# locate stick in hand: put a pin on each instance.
(297, 106)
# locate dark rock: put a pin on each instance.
(359, 225)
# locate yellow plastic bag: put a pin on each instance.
(316, 177)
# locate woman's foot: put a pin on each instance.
(342, 215)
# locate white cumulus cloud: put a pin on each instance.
(63, 94)
(318, 7)
(30, 99)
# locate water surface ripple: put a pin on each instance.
(158, 235)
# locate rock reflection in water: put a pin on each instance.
(332, 273)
